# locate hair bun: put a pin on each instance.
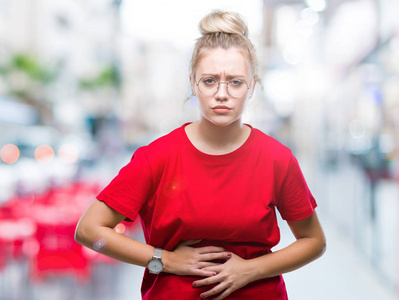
(226, 22)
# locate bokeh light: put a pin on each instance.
(44, 154)
(310, 16)
(68, 153)
(120, 228)
(317, 5)
(9, 153)
(99, 244)
(357, 128)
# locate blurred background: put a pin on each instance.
(84, 83)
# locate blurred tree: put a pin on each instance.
(26, 79)
(108, 77)
(104, 86)
(32, 68)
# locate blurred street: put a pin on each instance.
(340, 274)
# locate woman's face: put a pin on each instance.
(222, 65)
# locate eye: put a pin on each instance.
(236, 82)
(209, 81)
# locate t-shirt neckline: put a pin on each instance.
(216, 157)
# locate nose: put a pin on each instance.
(222, 93)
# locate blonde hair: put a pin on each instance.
(224, 30)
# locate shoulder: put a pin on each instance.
(159, 149)
(275, 154)
(271, 146)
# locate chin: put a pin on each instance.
(223, 122)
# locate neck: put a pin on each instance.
(220, 135)
(216, 140)
(213, 139)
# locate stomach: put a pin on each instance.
(169, 286)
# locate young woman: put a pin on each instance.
(207, 192)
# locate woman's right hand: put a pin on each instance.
(187, 260)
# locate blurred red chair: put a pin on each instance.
(58, 253)
(14, 233)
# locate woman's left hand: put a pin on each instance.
(231, 275)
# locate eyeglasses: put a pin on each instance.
(209, 86)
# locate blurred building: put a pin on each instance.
(155, 89)
(76, 39)
(331, 79)
(59, 81)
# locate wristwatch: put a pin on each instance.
(155, 265)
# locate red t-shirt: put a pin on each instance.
(226, 200)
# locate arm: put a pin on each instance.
(310, 244)
(236, 272)
(98, 223)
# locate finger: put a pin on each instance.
(217, 268)
(223, 295)
(210, 249)
(214, 291)
(203, 273)
(213, 256)
(207, 264)
(206, 281)
(190, 242)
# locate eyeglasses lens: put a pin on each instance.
(235, 88)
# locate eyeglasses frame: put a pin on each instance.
(227, 87)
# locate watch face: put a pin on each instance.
(155, 266)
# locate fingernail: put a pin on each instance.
(202, 296)
(214, 274)
(229, 254)
(194, 284)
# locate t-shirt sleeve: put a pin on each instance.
(295, 201)
(130, 189)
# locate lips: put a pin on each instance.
(221, 109)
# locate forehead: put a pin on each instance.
(219, 61)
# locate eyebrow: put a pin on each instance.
(218, 76)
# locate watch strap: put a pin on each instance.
(157, 253)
